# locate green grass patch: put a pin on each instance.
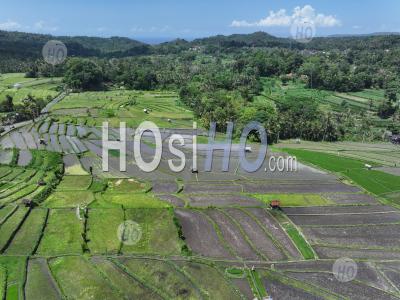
(16, 171)
(159, 233)
(3, 282)
(98, 186)
(373, 181)
(27, 237)
(44, 92)
(236, 273)
(299, 240)
(39, 283)
(69, 199)
(102, 230)
(114, 153)
(162, 277)
(256, 284)
(209, 280)
(11, 225)
(15, 266)
(4, 171)
(129, 200)
(118, 105)
(78, 279)
(376, 96)
(63, 234)
(74, 183)
(127, 186)
(76, 170)
(129, 287)
(5, 211)
(297, 237)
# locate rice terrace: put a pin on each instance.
(319, 218)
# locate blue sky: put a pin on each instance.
(190, 19)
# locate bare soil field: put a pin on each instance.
(367, 272)
(393, 276)
(349, 215)
(300, 188)
(244, 287)
(172, 199)
(53, 128)
(200, 234)
(278, 290)
(29, 140)
(24, 158)
(352, 199)
(338, 210)
(348, 219)
(329, 252)
(387, 236)
(164, 187)
(18, 140)
(203, 188)
(381, 153)
(276, 230)
(351, 290)
(123, 281)
(233, 236)
(6, 157)
(257, 235)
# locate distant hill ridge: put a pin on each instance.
(20, 45)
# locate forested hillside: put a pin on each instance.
(334, 88)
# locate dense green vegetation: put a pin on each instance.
(45, 168)
(75, 283)
(93, 108)
(321, 91)
(22, 98)
(373, 181)
(3, 282)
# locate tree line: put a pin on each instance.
(220, 79)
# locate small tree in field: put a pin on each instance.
(7, 105)
(31, 107)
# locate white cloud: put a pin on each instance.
(10, 25)
(137, 29)
(152, 29)
(282, 19)
(43, 26)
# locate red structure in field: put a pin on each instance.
(275, 204)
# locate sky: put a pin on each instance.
(167, 19)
